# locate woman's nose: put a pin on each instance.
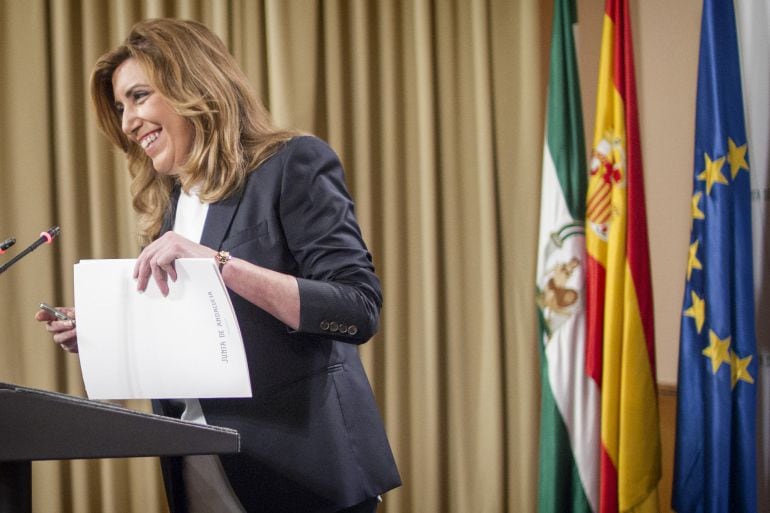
(129, 121)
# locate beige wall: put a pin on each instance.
(665, 36)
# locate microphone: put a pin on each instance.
(7, 243)
(45, 238)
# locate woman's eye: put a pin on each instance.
(140, 95)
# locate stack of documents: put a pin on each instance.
(136, 345)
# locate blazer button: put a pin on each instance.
(324, 325)
(343, 328)
(333, 327)
(352, 329)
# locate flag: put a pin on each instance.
(619, 316)
(569, 425)
(715, 460)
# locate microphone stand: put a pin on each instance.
(45, 238)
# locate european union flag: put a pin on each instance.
(714, 469)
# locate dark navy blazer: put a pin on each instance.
(312, 439)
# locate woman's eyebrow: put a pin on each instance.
(131, 89)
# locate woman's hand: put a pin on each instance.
(157, 260)
(64, 332)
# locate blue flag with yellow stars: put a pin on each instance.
(715, 466)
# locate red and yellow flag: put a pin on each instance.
(620, 338)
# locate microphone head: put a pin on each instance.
(48, 236)
(6, 244)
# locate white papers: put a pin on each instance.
(142, 345)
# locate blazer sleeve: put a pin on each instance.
(340, 294)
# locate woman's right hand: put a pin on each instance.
(64, 332)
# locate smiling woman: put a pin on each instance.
(213, 178)
(190, 69)
(148, 119)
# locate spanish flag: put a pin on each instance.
(619, 315)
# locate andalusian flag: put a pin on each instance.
(569, 427)
(715, 465)
(619, 295)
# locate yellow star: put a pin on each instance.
(739, 369)
(697, 310)
(697, 213)
(736, 156)
(717, 351)
(692, 260)
(712, 173)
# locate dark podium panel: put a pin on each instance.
(39, 425)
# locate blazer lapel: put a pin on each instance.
(218, 220)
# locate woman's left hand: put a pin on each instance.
(158, 258)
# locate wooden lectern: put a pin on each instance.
(39, 425)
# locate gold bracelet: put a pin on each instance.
(222, 257)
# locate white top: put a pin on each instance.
(190, 215)
(205, 481)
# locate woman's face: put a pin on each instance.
(149, 120)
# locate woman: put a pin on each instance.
(213, 178)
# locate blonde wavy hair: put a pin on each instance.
(191, 68)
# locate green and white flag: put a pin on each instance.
(570, 405)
